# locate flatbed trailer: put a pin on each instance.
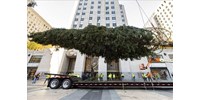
(66, 82)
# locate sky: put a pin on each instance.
(59, 13)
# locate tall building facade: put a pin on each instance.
(107, 13)
(37, 61)
(35, 23)
(163, 16)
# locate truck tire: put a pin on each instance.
(66, 84)
(54, 84)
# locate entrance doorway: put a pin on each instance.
(162, 72)
(113, 71)
(71, 65)
(31, 72)
(91, 68)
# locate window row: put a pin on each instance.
(98, 18)
(99, 2)
(92, 7)
(98, 12)
(98, 24)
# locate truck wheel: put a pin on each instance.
(54, 84)
(66, 84)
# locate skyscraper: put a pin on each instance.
(162, 17)
(107, 13)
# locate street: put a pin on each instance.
(39, 91)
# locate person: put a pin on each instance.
(122, 76)
(113, 76)
(110, 76)
(149, 76)
(165, 75)
(38, 76)
(133, 77)
(144, 77)
(157, 76)
(47, 78)
(34, 79)
(101, 77)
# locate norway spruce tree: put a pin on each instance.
(112, 43)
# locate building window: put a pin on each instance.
(80, 25)
(77, 13)
(112, 7)
(99, 7)
(107, 24)
(107, 7)
(98, 24)
(84, 8)
(113, 12)
(79, 8)
(107, 2)
(98, 18)
(122, 15)
(74, 26)
(91, 12)
(80, 4)
(83, 13)
(107, 12)
(107, 18)
(85, 4)
(92, 2)
(99, 2)
(99, 12)
(92, 7)
(112, 2)
(76, 19)
(90, 18)
(113, 18)
(123, 20)
(89, 23)
(82, 19)
(114, 24)
(35, 59)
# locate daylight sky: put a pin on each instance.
(59, 13)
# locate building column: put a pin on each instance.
(56, 61)
(79, 64)
(124, 67)
(102, 68)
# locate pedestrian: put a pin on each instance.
(47, 78)
(101, 77)
(149, 76)
(157, 76)
(38, 76)
(144, 77)
(133, 77)
(110, 77)
(34, 79)
(122, 76)
(113, 76)
(165, 75)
